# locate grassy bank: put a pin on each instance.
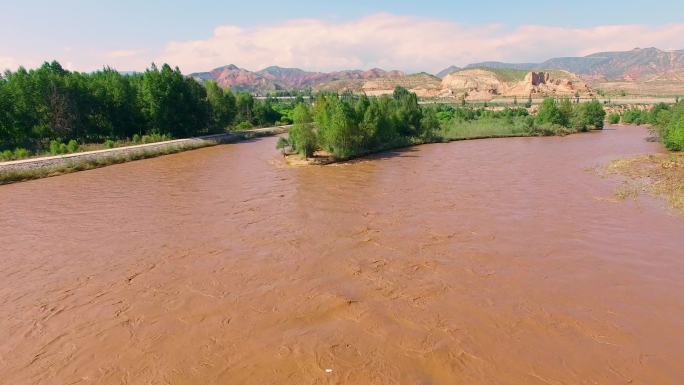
(658, 174)
(484, 128)
(19, 175)
(106, 159)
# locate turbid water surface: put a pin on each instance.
(504, 261)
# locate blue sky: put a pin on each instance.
(126, 33)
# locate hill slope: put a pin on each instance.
(279, 78)
(487, 83)
(622, 65)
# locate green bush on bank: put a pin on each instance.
(659, 115)
(666, 120)
(671, 127)
(579, 117)
(614, 118)
(351, 125)
(18, 153)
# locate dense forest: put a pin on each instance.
(49, 105)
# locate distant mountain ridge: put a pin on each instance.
(447, 71)
(620, 65)
(280, 78)
(639, 68)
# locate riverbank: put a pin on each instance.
(658, 174)
(35, 168)
(322, 158)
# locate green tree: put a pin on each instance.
(429, 123)
(245, 106)
(222, 106)
(566, 111)
(549, 113)
(301, 136)
(590, 115)
(407, 113)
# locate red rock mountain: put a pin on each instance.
(279, 78)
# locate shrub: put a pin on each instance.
(590, 115)
(72, 146)
(634, 116)
(136, 139)
(243, 126)
(672, 133)
(549, 114)
(6, 155)
(614, 118)
(154, 138)
(56, 147)
(109, 143)
(21, 153)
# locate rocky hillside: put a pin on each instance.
(649, 68)
(488, 83)
(623, 65)
(479, 83)
(238, 79)
(669, 83)
(423, 84)
(279, 78)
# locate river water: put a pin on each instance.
(504, 261)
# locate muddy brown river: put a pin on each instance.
(505, 261)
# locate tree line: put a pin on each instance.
(50, 103)
(351, 125)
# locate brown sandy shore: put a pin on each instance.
(502, 261)
(34, 168)
(659, 174)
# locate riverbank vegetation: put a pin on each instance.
(666, 120)
(80, 162)
(49, 104)
(24, 174)
(347, 126)
(553, 118)
(660, 174)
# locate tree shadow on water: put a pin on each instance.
(405, 152)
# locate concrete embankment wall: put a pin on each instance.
(189, 143)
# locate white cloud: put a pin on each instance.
(124, 53)
(8, 63)
(382, 40)
(403, 42)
